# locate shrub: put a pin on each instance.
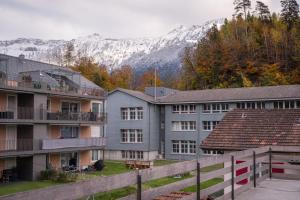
(48, 174)
(65, 177)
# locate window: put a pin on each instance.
(124, 113)
(132, 155)
(48, 105)
(131, 136)
(214, 124)
(209, 125)
(183, 147)
(139, 136)
(176, 108)
(96, 107)
(192, 108)
(124, 154)
(124, 135)
(132, 113)
(286, 104)
(184, 125)
(192, 147)
(69, 132)
(184, 108)
(175, 146)
(95, 155)
(251, 105)
(215, 108)
(206, 125)
(212, 152)
(69, 107)
(140, 113)
(140, 155)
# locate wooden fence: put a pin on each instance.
(260, 164)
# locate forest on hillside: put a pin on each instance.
(254, 48)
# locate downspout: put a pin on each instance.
(149, 129)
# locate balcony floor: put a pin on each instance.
(274, 189)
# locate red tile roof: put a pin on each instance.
(243, 129)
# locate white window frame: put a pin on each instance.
(184, 108)
(184, 147)
(131, 136)
(184, 126)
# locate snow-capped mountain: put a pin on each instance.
(141, 52)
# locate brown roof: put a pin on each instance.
(135, 93)
(243, 129)
(234, 94)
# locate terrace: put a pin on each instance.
(269, 170)
(55, 82)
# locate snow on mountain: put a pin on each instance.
(140, 52)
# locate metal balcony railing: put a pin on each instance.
(50, 144)
(45, 87)
(18, 113)
(29, 113)
(80, 116)
(16, 145)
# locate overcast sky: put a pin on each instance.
(68, 19)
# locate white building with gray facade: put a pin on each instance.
(172, 123)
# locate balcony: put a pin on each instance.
(20, 113)
(52, 144)
(29, 113)
(77, 117)
(16, 145)
(40, 86)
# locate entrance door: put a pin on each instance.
(12, 105)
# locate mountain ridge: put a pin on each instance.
(114, 52)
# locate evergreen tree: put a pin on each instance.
(289, 12)
(263, 11)
(242, 7)
(68, 56)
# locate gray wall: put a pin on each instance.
(149, 124)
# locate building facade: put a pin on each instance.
(186, 118)
(50, 117)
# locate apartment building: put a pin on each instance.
(181, 120)
(50, 116)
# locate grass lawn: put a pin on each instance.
(164, 162)
(123, 192)
(111, 168)
(212, 168)
(24, 186)
(204, 185)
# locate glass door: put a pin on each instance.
(12, 105)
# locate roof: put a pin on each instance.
(243, 129)
(17, 65)
(233, 94)
(134, 93)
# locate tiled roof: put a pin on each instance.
(234, 94)
(137, 94)
(243, 129)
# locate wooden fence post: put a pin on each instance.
(198, 180)
(232, 177)
(270, 162)
(139, 186)
(254, 169)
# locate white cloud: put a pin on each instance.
(67, 19)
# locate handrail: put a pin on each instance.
(241, 182)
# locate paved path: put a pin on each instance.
(274, 189)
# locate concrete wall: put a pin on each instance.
(84, 158)
(85, 132)
(38, 164)
(148, 124)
